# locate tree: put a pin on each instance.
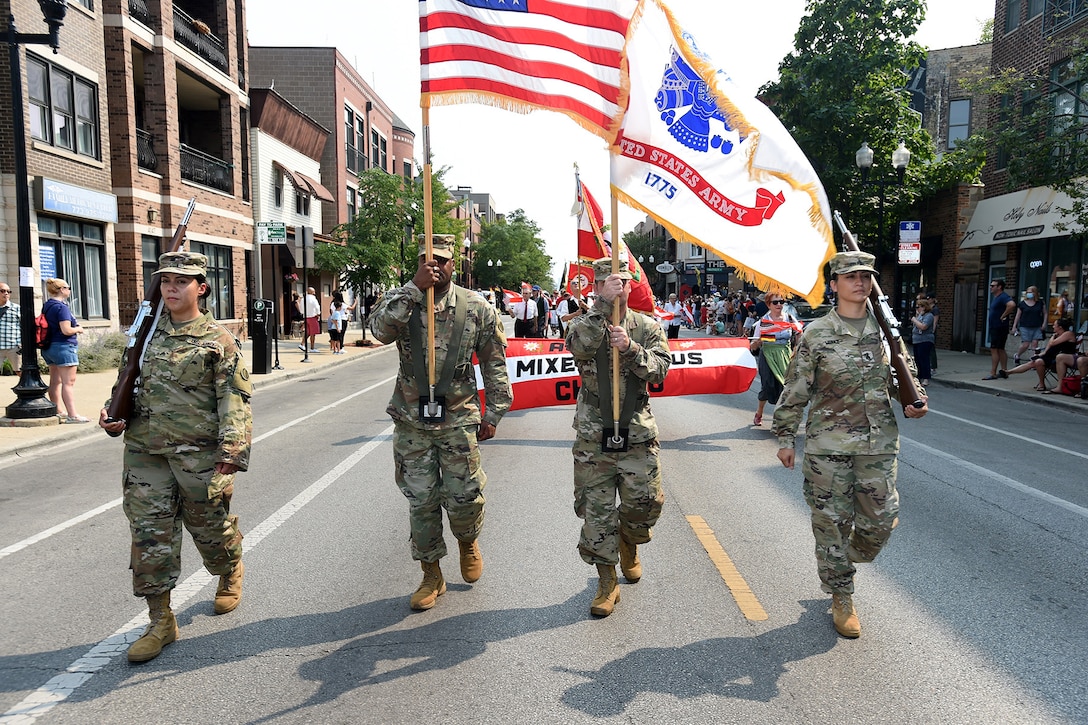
(378, 243)
(1040, 134)
(442, 222)
(844, 84)
(516, 241)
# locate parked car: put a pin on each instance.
(806, 313)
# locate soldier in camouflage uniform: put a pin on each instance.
(842, 371)
(190, 433)
(611, 532)
(438, 462)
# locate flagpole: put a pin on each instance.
(581, 210)
(616, 437)
(428, 229)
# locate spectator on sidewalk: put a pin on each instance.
(923, 338)
(1028, 323)
(61, 355)
(313, 321)
(1062, 342)
(10, 331)
(997, 323)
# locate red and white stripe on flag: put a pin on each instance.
(512, 298)
(527, 54)
(543, 373)
(661, 314)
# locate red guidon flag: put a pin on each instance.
(543, 373)
(579, 274)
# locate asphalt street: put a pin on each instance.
(977, 611)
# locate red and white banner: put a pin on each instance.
(512, 298)
(543, 373)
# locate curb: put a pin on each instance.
(1053, 401)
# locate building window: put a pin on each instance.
(1069, 112)
(351, 203)
(696, 251)
(150, 249)
(220, 298)
(1012, 15)
(63, 108)
(89, 4)
(959, 121)
(378, 154)
(277, 187)
(1035, 8)
(79, 257)
(302, 203)
(349, 140)
(360, 141)
(408, 169)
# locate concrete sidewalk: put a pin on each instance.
(955, 369)
(92, 390)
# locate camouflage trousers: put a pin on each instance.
(635, 477)
(162, 492)
(436, 470)
(854, 508)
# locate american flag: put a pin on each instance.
(527, 54)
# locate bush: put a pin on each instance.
(97, 352)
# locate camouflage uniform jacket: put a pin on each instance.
(194, 393)
(848, 382)
(647, 358)
(483, 335)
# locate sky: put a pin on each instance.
(527, 161)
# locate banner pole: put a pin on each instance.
(617, 438)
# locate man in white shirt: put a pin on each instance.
(673, 307)
(524, 314)
(313, 320)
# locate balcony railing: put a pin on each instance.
(1063, 13)
(145, 151)
(197, 37)
(138, 10)
(204, 169)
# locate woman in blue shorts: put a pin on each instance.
(60, 355)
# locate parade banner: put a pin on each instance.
(714, 165)
(521, 55)
(543, 373)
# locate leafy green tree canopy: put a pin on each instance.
(515, 240)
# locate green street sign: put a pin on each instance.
(271, 233)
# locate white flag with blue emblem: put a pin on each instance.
(714, 165)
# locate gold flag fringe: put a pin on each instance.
(496, 100)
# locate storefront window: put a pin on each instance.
(79, 256)
(1064, 271)
(1033, 268)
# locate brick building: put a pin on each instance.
(179, 129)
(73, 212)
(1013, 229)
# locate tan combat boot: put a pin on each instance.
(432, 587)
(229, 593)
(629, 562)
(845, 616)
(162, 630)
(608, 591)
(472, 563)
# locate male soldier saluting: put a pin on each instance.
(628, 467)
(842, 371)
(434, 447)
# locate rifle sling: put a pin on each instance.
(449, 365)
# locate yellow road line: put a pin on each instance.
(742, 593)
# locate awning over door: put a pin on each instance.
(1021, 215)
(295, 178)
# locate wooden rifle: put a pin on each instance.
(885, 318)
(127, 386)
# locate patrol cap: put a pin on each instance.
(190, 264)
(603, 267)
(844, 262)
(441, 245)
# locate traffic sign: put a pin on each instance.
(910, 231)
(910, 252)
(271, 233)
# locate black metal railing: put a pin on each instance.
(198, 37)
(1061, 14)
(138, 10)
(145, 151)
(205, 169)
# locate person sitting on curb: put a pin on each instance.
(1062, 342)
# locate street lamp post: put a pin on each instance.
(900, 159)
(31, 402)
